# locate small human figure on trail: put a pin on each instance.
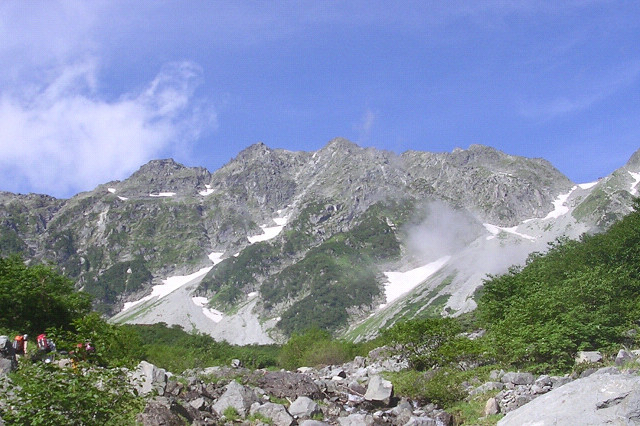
(46, 348)
(20, 344)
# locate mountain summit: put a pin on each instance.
(347, 238)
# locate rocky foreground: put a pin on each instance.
(356, 393)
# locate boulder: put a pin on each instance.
(159, 413)
(491, 407)
(379, 391)
(359, 419)
(148, 378)
(285, 384)
(304, 407)
(309, 422)
(598, 399)
(518, 378)
(7, 365)
(236, 396)
(590, 357)
(623, 357)
(276, 412)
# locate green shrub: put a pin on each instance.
(48, 395)
(431, 342)
(313, 348)
(442, 387)
(580, 295)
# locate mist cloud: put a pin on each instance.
(441, 231)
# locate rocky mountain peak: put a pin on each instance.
(255, 151)
(340, 145)
(634, 161)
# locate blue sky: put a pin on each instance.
(90, 91)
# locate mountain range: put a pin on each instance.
(346, 238)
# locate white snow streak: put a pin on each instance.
(173, 283)
(400, 283)
(559, 204)
(111, 190)
(213, 314)
(270, 232)
(495, 230)
(636, 177)
(206, 191)
(163, 194)
(588, 185)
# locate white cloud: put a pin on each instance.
(365, 125)
(62, 136)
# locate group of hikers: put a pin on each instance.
(45, 351)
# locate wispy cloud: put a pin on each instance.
(364, 126)
(586, 92)
(64, 135)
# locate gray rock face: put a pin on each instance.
(595, 400)
(127, 231)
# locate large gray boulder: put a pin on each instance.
(276, 412)
(304, 407)
(379, 390)
(601, 398)
(149, 378)
(236, 396)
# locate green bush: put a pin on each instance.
(315, 347)
(34, 298)
(431, 342)
(49, 395)
(442, 387)
(580, 295)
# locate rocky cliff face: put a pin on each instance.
(310, 236)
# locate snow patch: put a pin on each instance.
(252, 294)
(269, 232)
(123, 198)
(636, 177)
(206, 191)
(212, 314)
(400, 283)
(495, 230)
(111, 190)
(216, 257)
(173, 283)
(163, 194)
(588, 185)
(169, 285)
(559, 205)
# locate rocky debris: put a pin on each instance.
(515, 389)
(351, 394)
(604, 397)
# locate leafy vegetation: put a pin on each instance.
(431, 342)
(34, 298)
(176, 350)
(49, 395)
(316, 347)
(580, 295)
